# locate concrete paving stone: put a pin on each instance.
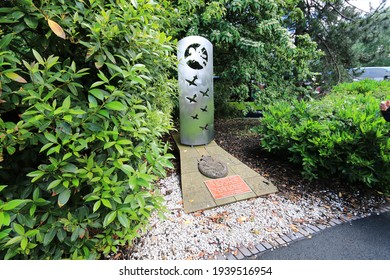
(292, 236)
(258, 185)
(230, 256)
(197, 200)
(304, 232)
(245, 251)
(239, 255)
(253, 250)
(313, 227)
(299, 235)
(260, 247)
(267, 245)
(245, 196)
(189, 166)
(202, 151)
(244, 171)
(345, 218)
(225, 200)
(219, 256)
(280, 241)
(332, 223)
(286, 238)
(191, 180)
(321, 226)
(336, 221)
(212, 143)
(215, 151)
(196, 195)
(189, 152)
(309, 230)
(227, 159)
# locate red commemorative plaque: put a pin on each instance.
(228, 186)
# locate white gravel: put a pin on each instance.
(202, 234)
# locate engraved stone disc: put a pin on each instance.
(212, 168)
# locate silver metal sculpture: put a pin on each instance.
(195, 55)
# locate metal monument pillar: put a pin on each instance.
(196, 89)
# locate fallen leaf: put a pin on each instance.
(300, 221)
(294, 228)
(242, 219)
(56, 28)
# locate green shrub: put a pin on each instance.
(342, 134)
(85, 98)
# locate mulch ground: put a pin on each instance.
(236, 137)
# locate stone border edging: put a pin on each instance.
(308, 231)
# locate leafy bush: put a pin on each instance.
(342, 134)
(85, 98)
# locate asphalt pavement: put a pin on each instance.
(363, 239)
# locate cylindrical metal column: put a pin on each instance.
(195, 55)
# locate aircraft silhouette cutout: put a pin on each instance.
(204, 127)
(205, 93)
(204, 109)
(192, 83)
(193, 99)
(195, 117)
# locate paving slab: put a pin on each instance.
(196, 195)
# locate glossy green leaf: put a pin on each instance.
(14, 204)
(64, 197)
(18, 229)
(109, 218)
(96, 206)
(122, 218)
(23, 243)
(14, 240)
(50, 137)
(54, 184)
(106, 203)
(116, 106)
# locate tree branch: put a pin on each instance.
(340, 13)
(332, 57)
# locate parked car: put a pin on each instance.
(374, 73)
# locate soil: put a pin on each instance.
(236, 137)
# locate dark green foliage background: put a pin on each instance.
(343, 134)
(82, 119)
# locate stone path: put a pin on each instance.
(196, 195)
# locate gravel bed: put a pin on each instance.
(204, 234)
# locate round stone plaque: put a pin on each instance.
(212, 168)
